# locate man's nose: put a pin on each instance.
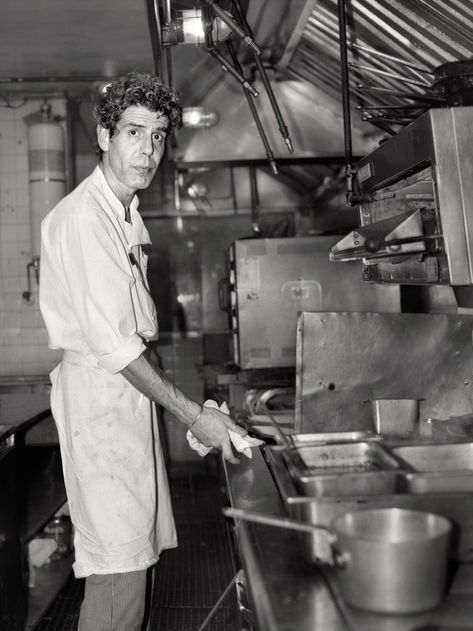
(147, 146)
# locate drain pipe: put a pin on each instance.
(349, 170)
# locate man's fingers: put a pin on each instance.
(234, 427)
(228, 452)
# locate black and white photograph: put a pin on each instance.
(236, 315)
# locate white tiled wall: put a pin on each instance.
(23, 340)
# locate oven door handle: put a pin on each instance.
(224, 301)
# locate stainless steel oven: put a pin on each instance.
(271, 280)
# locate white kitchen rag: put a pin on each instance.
(242, 444)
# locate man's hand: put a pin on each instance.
(212, 431)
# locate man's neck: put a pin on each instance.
(124, 196)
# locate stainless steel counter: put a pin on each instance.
(18, 412)
(289, 594)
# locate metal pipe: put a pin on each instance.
(255, 114)
(274, 104)
(391, 75)
(226, 66)
(254, 199)
(411, 97)
(167, 11)
(167, 51)
(233, 189)
(404, 120)
(377, 53)
(346, 103)
(177, 197)
(267, 84)
(212, 612)
(65, 79)
(154, 26)
(276, 521)
(390, 107)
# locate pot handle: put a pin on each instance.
(337, 557)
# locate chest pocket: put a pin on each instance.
(143, 304)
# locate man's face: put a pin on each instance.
(133, 153)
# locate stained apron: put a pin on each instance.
(113, 465)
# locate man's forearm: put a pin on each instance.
(155, 385)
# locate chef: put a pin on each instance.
(95, 301)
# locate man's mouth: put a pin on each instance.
(144, 170)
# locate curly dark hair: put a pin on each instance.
(136, 88)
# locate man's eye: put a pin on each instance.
(159, 138)
(133, 132)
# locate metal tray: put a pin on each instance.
(300, 440)
(441, 468)
(345, 469)
(439, 457)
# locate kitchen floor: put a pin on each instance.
(189, 579)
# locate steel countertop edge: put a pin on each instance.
(286, 593)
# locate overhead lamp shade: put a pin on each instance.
(197, 117)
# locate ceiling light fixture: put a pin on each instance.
(187, 27)
(198, 117)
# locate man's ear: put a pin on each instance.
(103, 137)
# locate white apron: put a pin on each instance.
(113, 466)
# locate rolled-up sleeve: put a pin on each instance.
(100, 288)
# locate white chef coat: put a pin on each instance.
(94, 298)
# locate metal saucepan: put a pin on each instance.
(387, 560)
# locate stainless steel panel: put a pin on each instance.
(277, 278)
(344, 360)
(453, 137)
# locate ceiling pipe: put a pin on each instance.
(66, 79)
(267, 84)
(167, 51)
(154, 26)
(349, 171)
(254, 112)
(212, 49)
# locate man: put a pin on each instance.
(95, 301)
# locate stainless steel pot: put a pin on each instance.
(387, 560)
